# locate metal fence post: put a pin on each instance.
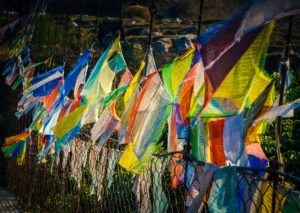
(153, 11)
(278, 164)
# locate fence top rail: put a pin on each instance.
(269, 170)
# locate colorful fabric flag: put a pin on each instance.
(220, 55)
(68, 122)
(285, 111)
(222, 196)
(126, 78)
(173, 73)
(67, 138)
(43, 84)
(150, 63)
(147, 66)
(242, 84)
(179, 122)
(72, 77)
(15, 146)
(134, 84)
(224, 44)
(58, 96)
(100, 81)
(81, 79)
(160, 203)
(146, 124)
(26, 103)
(216, 146)
(107, 123)
(233, 141)
(205, 179)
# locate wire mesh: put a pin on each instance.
(85, 179)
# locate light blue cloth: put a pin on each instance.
(223, 193)
(233, 141)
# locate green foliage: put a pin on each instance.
(290, 137)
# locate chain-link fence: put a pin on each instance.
(84, 179)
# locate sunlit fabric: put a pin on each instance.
(198, 94)
(107, 123)
(126, 78)
(114, 95)
(38, 114)
(223, 191)
(50, 99)
(147, 120)
(72, 77)
(215, 146)
(90, 115)
(80, 79)
(243, 84)
(260, 192)
(100, 81)
(15, 146)
(174, 145)
(48, 128)
(69, 121)
(178, 77)
(199, 140)
(67, 138)
(174, 72)
(205, 179)
(286, 111)
(150, 63)
(133, 91)
(16, 150)
(225, 43)
(134, 84)
(233, 141)
(255, 150)
(59, 95)
(236, 128)
(262, 103)
(43, 84)
(214, 139)
(16, 138)
(190, 86)
(220, 50)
